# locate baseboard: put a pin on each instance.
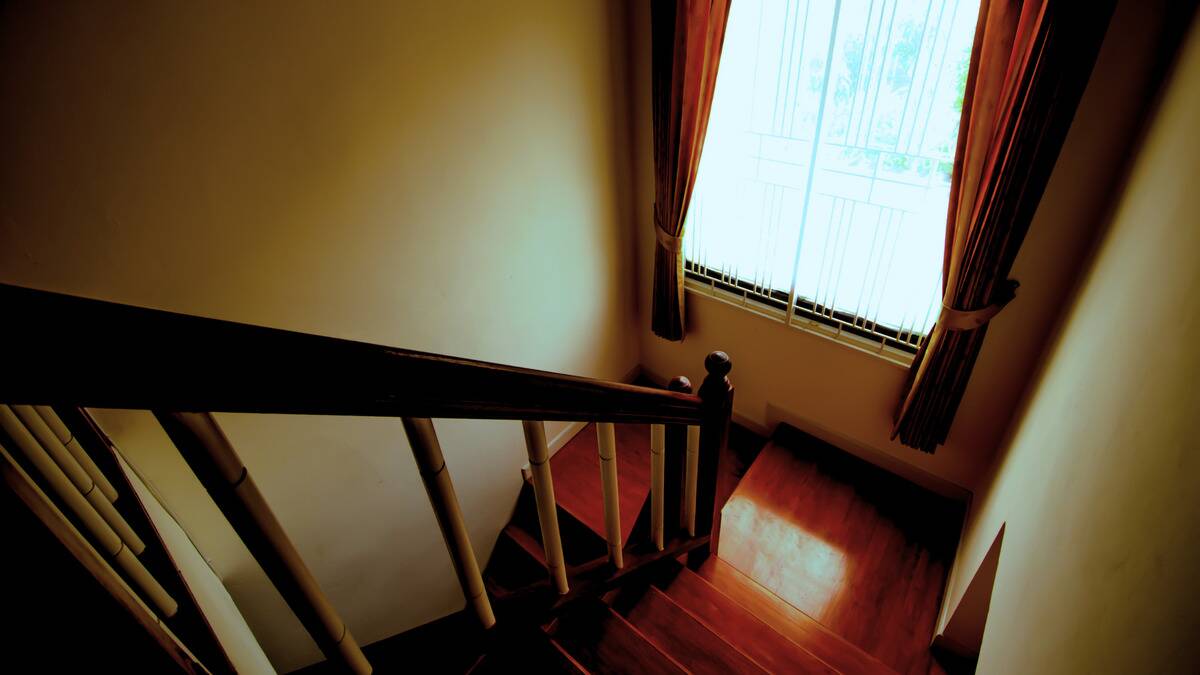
(883, 460)
(563, 437)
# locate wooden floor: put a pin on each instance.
(861, 551)
(576, 471)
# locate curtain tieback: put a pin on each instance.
(671, 244)
(962, 319)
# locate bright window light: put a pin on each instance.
(825, 176)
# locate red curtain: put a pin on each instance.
(1029, 65)
(686, 49)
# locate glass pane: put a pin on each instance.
(829, 151)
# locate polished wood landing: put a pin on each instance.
(860, 550)
(666, 619)
(717, 581)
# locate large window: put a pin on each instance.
(825, 175)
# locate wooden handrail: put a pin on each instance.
(76, 351)
(71, 351)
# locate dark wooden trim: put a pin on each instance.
(716, 392)
(80, 352)
(189, 623)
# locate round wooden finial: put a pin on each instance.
(680, 383)
(718, 364)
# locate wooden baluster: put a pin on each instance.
(432, 467)
(83, 505)
(606, 441)
(208, 452)
(657, 452)
(716, 407)
(543, 491)
(689, 479)
(674, 473)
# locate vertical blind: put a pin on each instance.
(825, 177)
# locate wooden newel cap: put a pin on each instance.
(681, 384)
(718, 364)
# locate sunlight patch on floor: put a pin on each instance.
(782, 556)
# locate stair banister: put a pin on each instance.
(658, 449)
(606, 442)
(677, 482)
(543, 490)
(716, 396)
(431, 464)
(148, 359)
(185, 367)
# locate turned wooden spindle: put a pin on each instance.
(432, 466)
(220, 470)
(607, 444)
(716, 408)
(543, 492)
(658, 451)
(674, 467)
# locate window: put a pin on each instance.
(825, 176)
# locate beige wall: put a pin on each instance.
(210, 594)
(438, 176)
(1097, 488)
(847, 396)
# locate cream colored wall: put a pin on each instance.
(210, 594)
(1097, 488)
(440, 176)
(847, 396)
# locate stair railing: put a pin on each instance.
(67, 351)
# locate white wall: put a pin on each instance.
(847, 396)
(213, 599)
(1097, 488)
(438, 176)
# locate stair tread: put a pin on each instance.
(603, 642)
(539, 654)
(511, 567)
(862, 551)
(580, 544)
(789, 622)
(739, 626)
(687, 639)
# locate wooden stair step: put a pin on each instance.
(791, 623)
(685, 638)
(738, 626)
(536, 654)
(511, 567)
(580, 544)
(576, 471)
(604, 642)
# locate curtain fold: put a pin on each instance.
(1029, 65)
(686, 40)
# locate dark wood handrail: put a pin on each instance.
(66, 350)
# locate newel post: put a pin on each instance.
(716, 400)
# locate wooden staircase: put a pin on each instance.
(556, 595)
(672, 619)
